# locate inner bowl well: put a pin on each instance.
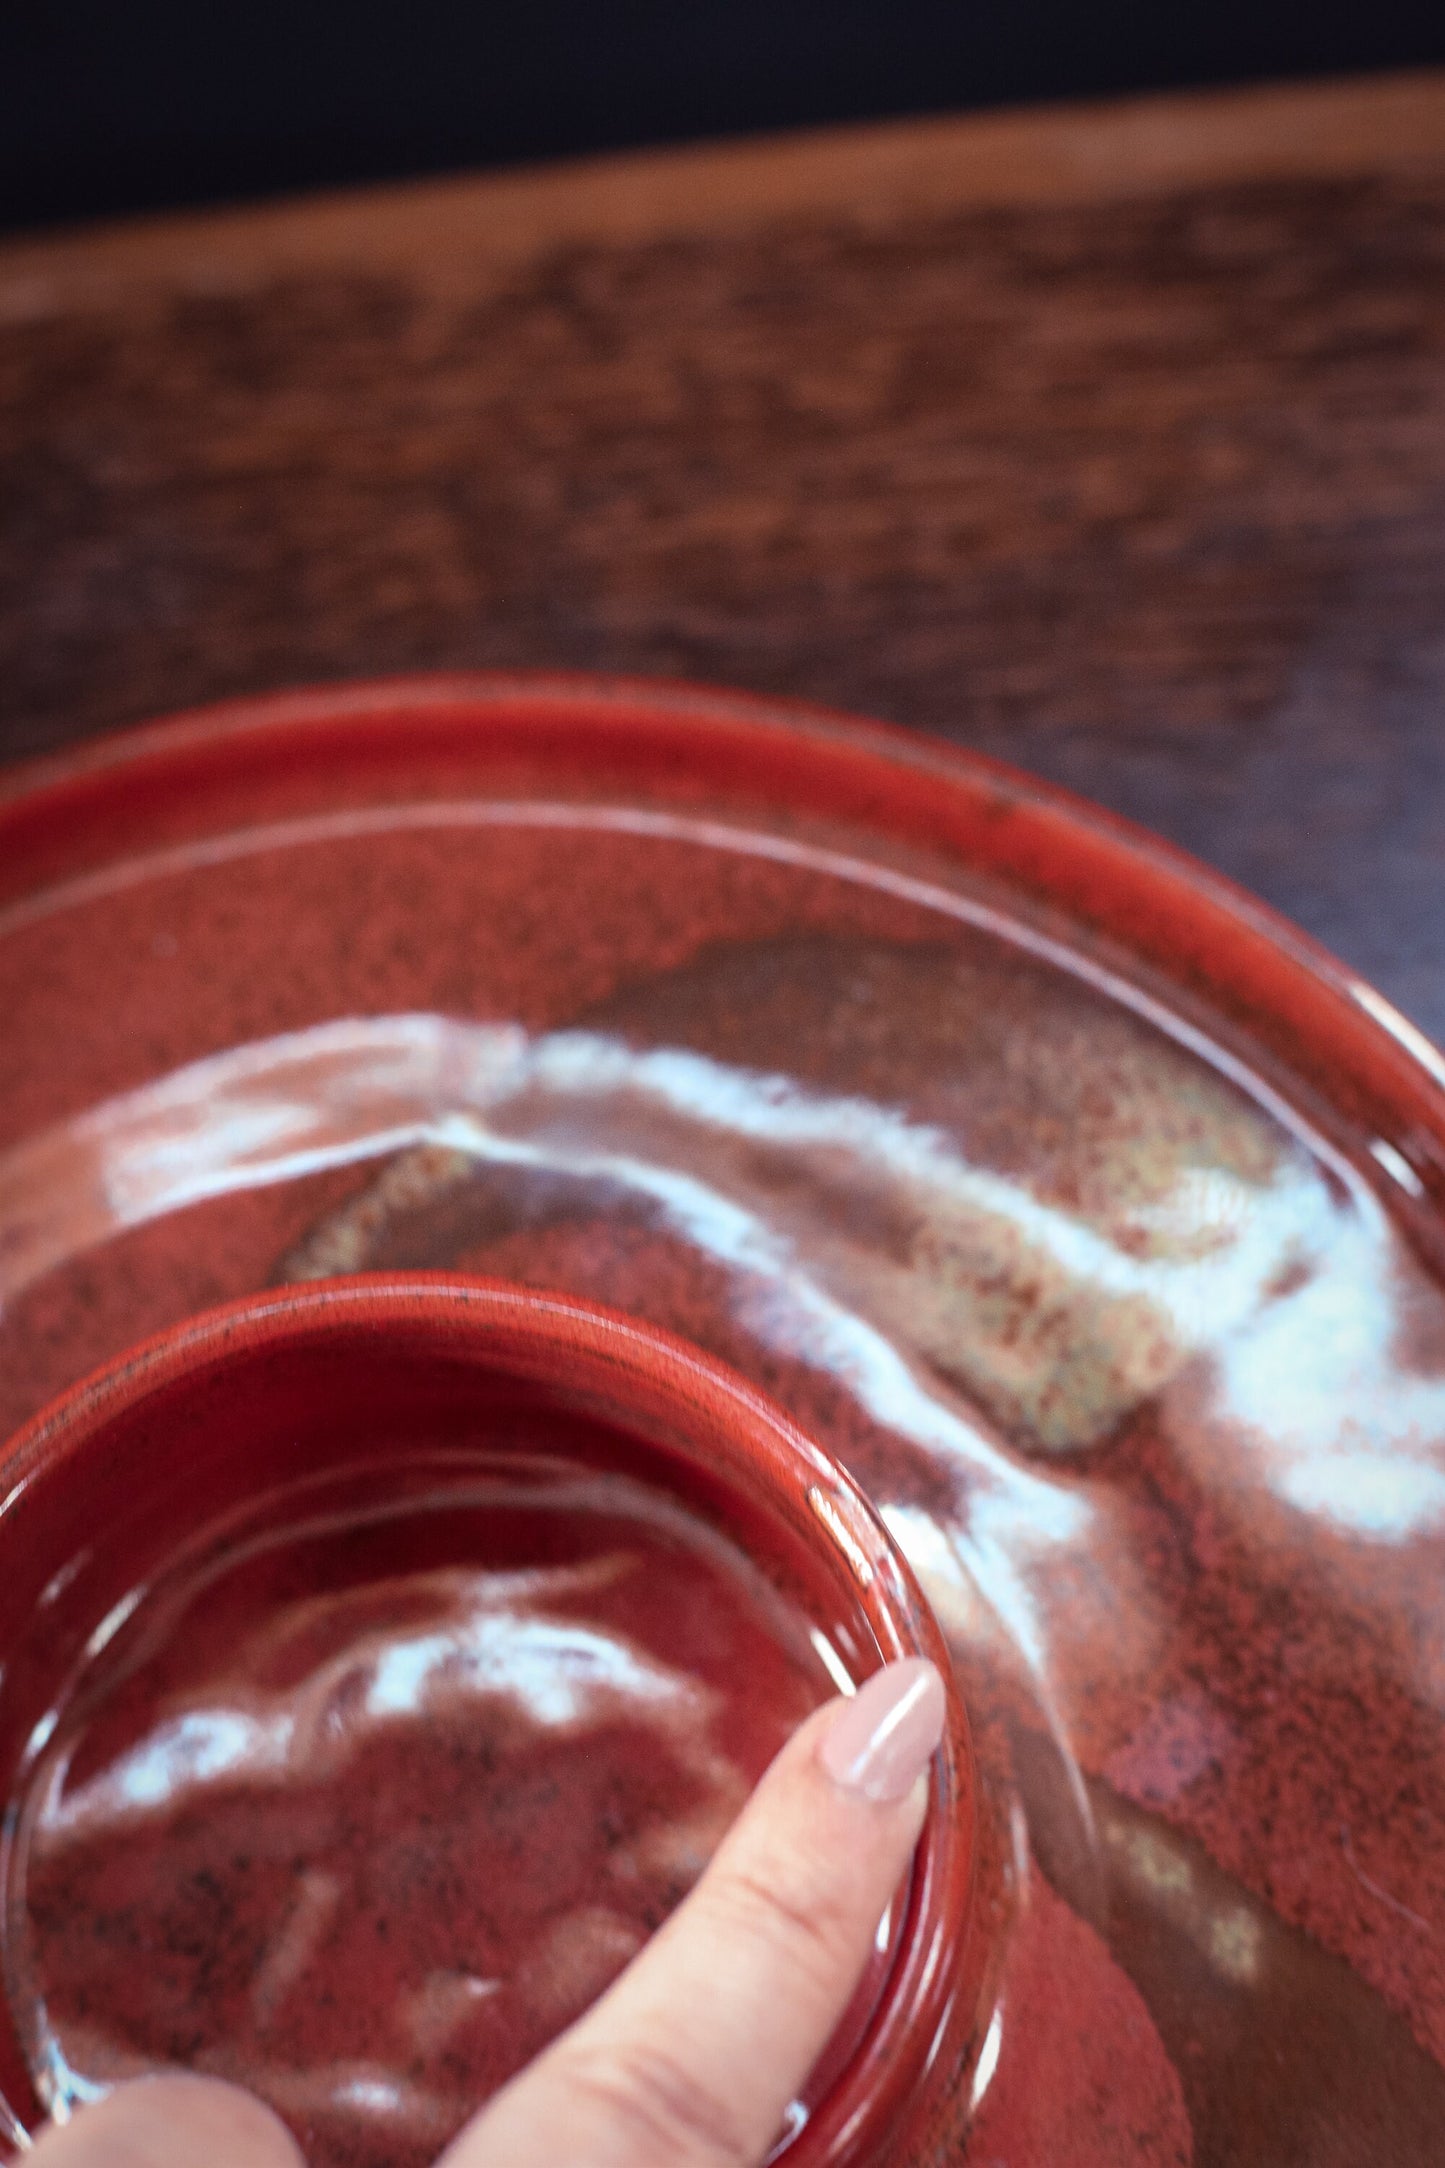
(382, 1661)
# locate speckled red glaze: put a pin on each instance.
(119, 1475)
(284, 755)
(1088, 1212)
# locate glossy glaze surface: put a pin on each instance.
(467, 1748)
(1081, 1209)
(383, 1662)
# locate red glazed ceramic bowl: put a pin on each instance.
(382, 1660)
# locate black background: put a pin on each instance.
(107, 108)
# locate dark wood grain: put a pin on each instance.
(1114, 445)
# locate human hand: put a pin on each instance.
(692, 2057)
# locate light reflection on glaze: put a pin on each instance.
(1194, 1259)
(1253, 1316)
(370, 1709)
(1347, 1435)
(1117, 1306)
(1096, 1315)
(561, 1674)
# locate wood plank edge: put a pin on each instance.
(446, 234)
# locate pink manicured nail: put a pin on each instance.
(879, 1743)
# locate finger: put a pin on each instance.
(693, 2057)
(170, 2121)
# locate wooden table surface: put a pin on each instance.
(1109, 440)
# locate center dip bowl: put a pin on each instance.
(382, 1661)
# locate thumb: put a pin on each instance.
(693, 2057)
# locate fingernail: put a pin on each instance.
(880, 1742)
